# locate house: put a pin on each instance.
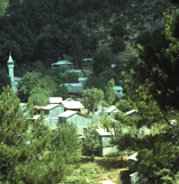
(65, 116)
(74, 88)
(118, 91)
(87, 65)
(55, 100)
(83, 80)
(106, 138)
(50, 112)
(77, 120)
(62, 65)
(70, 104)
(77, 72)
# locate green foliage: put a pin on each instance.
(3, 6)
(33, 81)
(30, 152)
(151, 134)
(51, 157)
(124, 105)
(160, 60)
(12, 132)
(106, 122)
(103, 59)
(92, 98)
(10, 112)
(62, 91)
(85, 174)
(38, 96)
(110, 95)
(91, 142)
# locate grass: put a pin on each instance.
(94, 172)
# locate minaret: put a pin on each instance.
(10, 64)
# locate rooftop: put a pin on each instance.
(103, 132)
(62, 62)
(75, 88)
(72, 104)
(10, 59)
(118, 88)
(88, 60)
(36, 117)
(67, 114)
(111, 109)
(47, 107)
(128, 113)
(55, 100)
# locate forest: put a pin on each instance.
(133, 44)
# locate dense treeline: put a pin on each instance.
(45, 30)
(42, 31)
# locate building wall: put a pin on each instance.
(52, 116)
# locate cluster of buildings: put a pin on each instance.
(71, 111)
(66, 67)
(59, 110)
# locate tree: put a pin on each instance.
(110, 95)
(159, 53)
(91, 142)
(50, 158)
(30, 152)
(12, 132)
(153, 136)
(35, 80)
(3, 6)
(103, 59)
(92, 98)
(38, 96)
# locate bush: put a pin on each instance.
(32, 80)
(91, 143)
(92, 98)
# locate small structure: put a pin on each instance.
(118, 91)
(64, 117)
(134, 176)
(50, 112)
(14, 80)
(83, 80)
(77, 72)
(10, 64)
(131, 112)
(106, 142)
(75, 105)
(77, 120)
(110, 110)
(87, 65)
(55, 100)
(74, 88)
(62, 65)
(124, 176)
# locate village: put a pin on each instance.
(89, 92)
(72, 111)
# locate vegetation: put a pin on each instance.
(31, 152)
(92, 98)
(32, 81)
(134, 43)
(110, 95)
